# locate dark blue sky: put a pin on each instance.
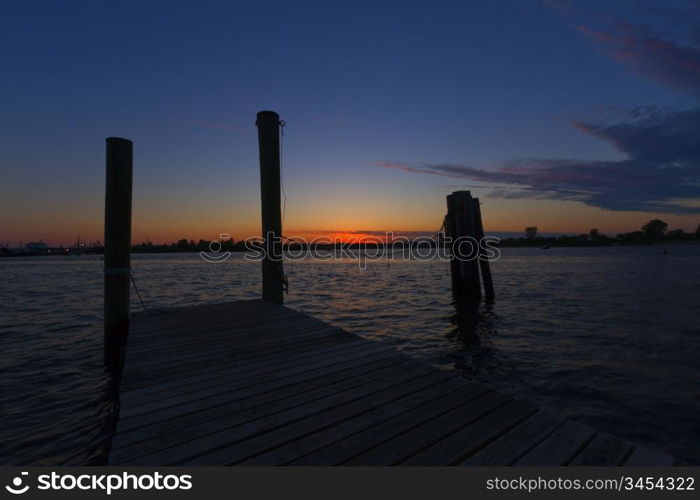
(566, 115)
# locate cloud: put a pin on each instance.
(660, 42)
(639, 48)
(661, 171)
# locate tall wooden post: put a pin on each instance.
(117, 240)
(483, 263)
(465, 270)
(268, 123)
(451, 233)
(470, 263)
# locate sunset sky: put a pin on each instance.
(561, 114)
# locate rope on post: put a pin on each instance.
(133, 282)
(285, 277)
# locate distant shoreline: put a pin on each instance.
(540, 242)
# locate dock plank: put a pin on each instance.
(262, 368)
(245, 409)
(226, 378)
(223, 446)
(251, 396)
(255, 383)
(512, 445)
(210, 396)
(404, 446)
(364, 401)
(560, 446)
(198, 405)
(603, 450)
(352, 446)
(293, 357)
(643, 456)
(320, 438)
(464, 442)
(232, 349)
(240, 333)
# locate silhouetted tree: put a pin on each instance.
(655, 228)
(531, 232)
(594, 234)
(676, 234)
(635, 237)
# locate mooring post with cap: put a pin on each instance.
(117, 240)
(268, 124)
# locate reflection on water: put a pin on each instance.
(604, 335)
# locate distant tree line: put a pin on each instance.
(185, 245)
(654, 231)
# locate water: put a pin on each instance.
(608, 336)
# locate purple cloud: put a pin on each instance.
(670, 63)
(661, 169)
(660, 174)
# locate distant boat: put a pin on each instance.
(545, 247)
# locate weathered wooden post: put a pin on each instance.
(268, 123)
(465, 270)
(117, 240)
(483, 263)
(471, 262)
(451, 234)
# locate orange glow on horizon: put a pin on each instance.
(343, 236)
(344, 223)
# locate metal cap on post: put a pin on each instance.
(268, 124)
(117, 240)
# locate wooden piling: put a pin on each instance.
(268, 124)
(483, 262)
(464, 266)
(451, 234)
(117, 240)
(470, 264)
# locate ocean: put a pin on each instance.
(608, 336)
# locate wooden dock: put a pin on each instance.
(254, 383)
